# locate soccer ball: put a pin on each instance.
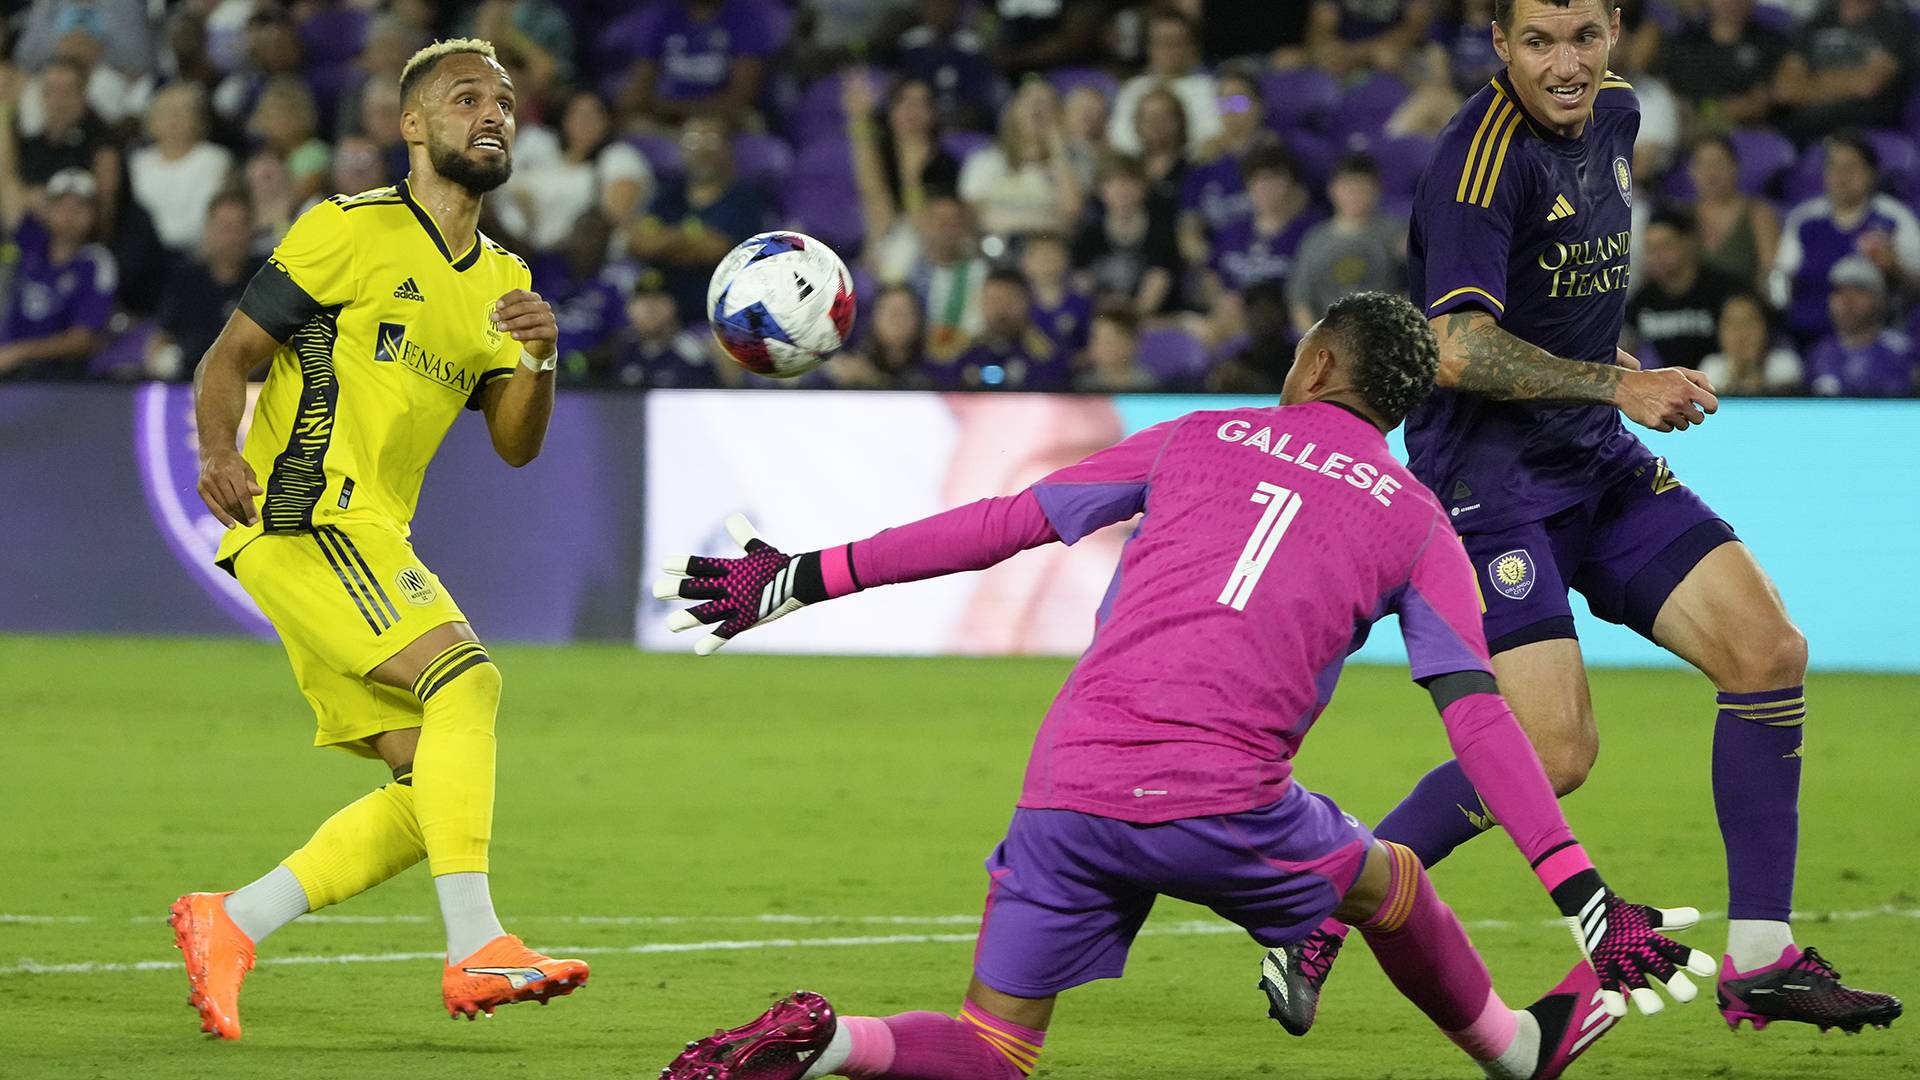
(781, 303)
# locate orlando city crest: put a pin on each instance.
(1623, 179)
(1512, 574)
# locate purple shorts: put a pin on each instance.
(1625, 549)
(1070, 890)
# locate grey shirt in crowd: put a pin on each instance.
(1333, 263)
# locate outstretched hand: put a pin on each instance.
(741, 593)
(1623, 941)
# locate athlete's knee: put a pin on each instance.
(1382, 895)
(466, 664)
(1567, 762)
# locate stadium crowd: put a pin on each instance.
(1096, 195)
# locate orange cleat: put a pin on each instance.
(218, 958)
(505, 971)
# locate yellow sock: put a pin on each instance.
(459, 692)
(359, 847)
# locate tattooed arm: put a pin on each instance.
(1478, 356)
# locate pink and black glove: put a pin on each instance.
(1623, 942)
(742, 593)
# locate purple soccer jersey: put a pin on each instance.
(1242, 255)
(696, 58)
(1535, 229)
(1882, 367)
(1812, 239)
(48, 298)
(1214, 190)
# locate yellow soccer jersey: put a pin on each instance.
(384, 336)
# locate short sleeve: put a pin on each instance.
(1465, 213)
(982, 169)
(1104, 487)
(317, 253)
(1440, 610)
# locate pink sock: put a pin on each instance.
(870, 1047)
(935, 1046)
(1423, 948)
(1488, 1037)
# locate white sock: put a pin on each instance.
(467, 908)
(1522, 1056)
(1755, 943)
(268, 904)
(834, 1056)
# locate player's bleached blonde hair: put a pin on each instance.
(422, 63)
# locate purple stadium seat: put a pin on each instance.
(1068, 79)
(1175, 357)
(329, 82)
(1899, 167)
(818, 115)
(1301, 98)
(1363, 111)
(661, 152)
(819, 197)
(964, 144)
(1401, 162)
(761, 158)
(1316, 154)
(1774, 18)
(1763, 156)
(334, 35)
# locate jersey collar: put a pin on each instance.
(472, 254)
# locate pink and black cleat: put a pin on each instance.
(1572, 1018)
(781, 1045)
(1800, 986)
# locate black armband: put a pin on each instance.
(275, 301)
(809, 584)
(1454, 685)
(1579, 893)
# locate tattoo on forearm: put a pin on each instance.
(1503, 367)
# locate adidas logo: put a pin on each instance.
(1561, 208)
(409, 291)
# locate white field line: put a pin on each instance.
(1178, 929)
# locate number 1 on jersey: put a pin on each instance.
(1282, 505)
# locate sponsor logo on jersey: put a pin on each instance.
(1561, 209)
(1662, 479)
(387, 342)
(1623, 179)
(416, 586)
(409, 291)
(1512, 574)
(1578, 269)
(391, 345)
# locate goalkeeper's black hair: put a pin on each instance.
(1392, 353)
(1503, 11)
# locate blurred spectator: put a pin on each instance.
(1213, 195)
(1161, 122)
(952, 60)
(176, 178)
(120, 26)
(1173, 59)
(653, 349)
(947, 276)
(391, 42)
(1010, 353)
(1678, 310)
(1722, 65)
(357, 166)
(274, 49)
(1261, 364)
(115, 96)
(1469, 43)
(1359, 249)
(1846, 69)
(693, 58)
(73, 138)
(693, 222)
(1747, 363)
(1113, 356)
(1038, 35)
(1346, 34)
(1738, 234)
(380, 122)
(1024, 182)
(537, 30)
(1263, 247)
(1863, 357)
(1126, 256)
(895, 165)
(284, 120)
(1434, 99)
(1061, 313)
(593, 170)
(832, 33)
(227, 32)
(1085, 115)
(204, 291)
(586, 295)
(270, 191)
(890, 356)
(1850, 218)
(63, 285)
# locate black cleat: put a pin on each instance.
(1292, 976)
(1800, 986)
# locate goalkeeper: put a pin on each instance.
(1272, 538)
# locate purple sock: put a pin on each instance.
(1439, 814)
(1756, 793)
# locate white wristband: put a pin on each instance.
(537, 365)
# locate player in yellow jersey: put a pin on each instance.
(385, 314)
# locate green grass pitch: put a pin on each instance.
(649, 801)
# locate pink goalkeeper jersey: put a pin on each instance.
(1273, 538)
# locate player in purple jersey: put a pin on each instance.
(1518, 254)
(1271, 539)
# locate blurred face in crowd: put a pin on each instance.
(1004, 306)
(1160, 122)
(1713, 170)
(389, 45)
(1354, 195)
(357, 165)
(1240, 109)
(1123, 193)
(896, 322)
(1671, 257)
(281, 122)
(1855, 12)
(703, 145)
(275, 48)
(910, 111)
(1086, 114)
(1743, 330)
(1271, 193)
(268, 183)
(69, 219)
(174, 119)
(652, 315)
(1169, 48)
(1855, 311)
(229, 230)
(1729, 11)
(64, 97)
(1044, 260)
(1848, 177)
(1109, 346)
(586, 124)
(1556, 56)
(944, 231)
(380, 113)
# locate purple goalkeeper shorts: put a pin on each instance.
(1070, 890)
(1625, 549)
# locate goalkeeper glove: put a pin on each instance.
(742, 593)
(1622, 941)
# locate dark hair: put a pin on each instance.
(1271, 158)
(1174, 15)
(1265, 291)
(1503, 10)
(1392, 351)
(1852, 137)
(1358, 163)
(567, 98)
(1720, 140)
(1121, 315)
(234, 196)
(1676, 217)
(1008, 275)
(1179, 108)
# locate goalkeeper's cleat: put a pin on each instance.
(1572, 1017)
(218, 957)
(1292, 976)
(1800, 986)
(781, 1045)
(505, 971)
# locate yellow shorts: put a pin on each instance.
(346, 598)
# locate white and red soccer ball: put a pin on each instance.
(781, 303)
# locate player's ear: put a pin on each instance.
(1500, 38)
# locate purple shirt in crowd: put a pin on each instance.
(696, 58)
(48, 298)
(1216, 192)
(1068, 324)
(1033, 361)
(1881, 368)
(1242, 255)
(1811, 241)
(1534, 228)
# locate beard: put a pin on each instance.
(478, 177)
